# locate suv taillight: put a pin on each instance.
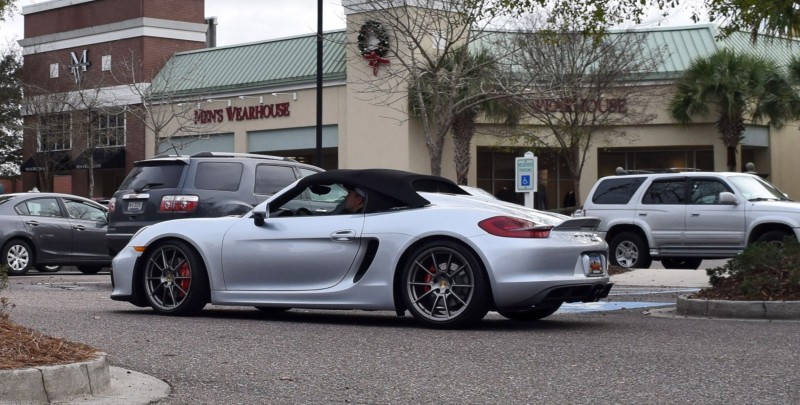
(112, 205)
(178, 203)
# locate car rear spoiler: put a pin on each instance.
(579, 224)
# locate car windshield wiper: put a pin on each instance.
(147, 187)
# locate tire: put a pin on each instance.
(776, 237)
(18, 256)
(175, 279)
(89, 269)
(443, 285)
(687, 263)
(43, 268)
(534, 314)
(629, 250)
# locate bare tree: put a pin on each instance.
(427, 72)
(586, 86)
(172, 118)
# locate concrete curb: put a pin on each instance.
(773, 310)
(88, 382)
(55, 383)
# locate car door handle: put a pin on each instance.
(695, 214)
(344, 235)
(32, 223)
(79, 227)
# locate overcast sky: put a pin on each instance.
(243, 21)
(238, 21)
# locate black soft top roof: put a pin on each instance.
(386, 188)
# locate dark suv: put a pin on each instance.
(206, 184)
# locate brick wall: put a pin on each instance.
(101, 12)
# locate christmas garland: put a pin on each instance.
(373, 29)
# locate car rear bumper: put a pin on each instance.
(116, 241)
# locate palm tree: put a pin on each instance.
(734, 87)
(467, 97)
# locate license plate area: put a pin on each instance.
(135, 206)
(594, 264)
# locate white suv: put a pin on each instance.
(682, 218)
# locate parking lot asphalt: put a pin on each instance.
(131, 387)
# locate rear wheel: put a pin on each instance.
(175, 279)
(90, 269)
(48, 269)
(533, 314)
(18, 256)
(629, 250)
(689, 263)
(443, 285)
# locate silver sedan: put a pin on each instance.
(372, 239)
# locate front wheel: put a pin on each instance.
(775, 237)
(18, 256)
(443, 285)
(629, 250)
(175, 279)
(533, 314)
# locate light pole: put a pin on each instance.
(318, 151)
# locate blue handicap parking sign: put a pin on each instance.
(526, 180)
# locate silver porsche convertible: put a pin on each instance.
(416, 243)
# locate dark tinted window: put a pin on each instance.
(706, 191)
(666, 192)
(616, 190)
(159, 176)
(222, 176)
(271, 179)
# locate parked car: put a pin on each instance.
(49, 230)
(683, 218)
(207, 184)
(444, 257)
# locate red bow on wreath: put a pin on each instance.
(375, 61)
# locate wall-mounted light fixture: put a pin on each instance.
(294, 95)
(260, 98)
(214, 101)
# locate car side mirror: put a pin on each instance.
(727, 198)
(258, 218)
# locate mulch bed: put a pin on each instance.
(23, 347)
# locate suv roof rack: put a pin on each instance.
(620, 171)
(226, 155)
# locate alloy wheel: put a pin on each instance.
(440, 284)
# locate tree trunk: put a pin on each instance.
(463, 132)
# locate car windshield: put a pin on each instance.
(756, 189)
(144, 177)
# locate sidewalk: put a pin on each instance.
(663, 278)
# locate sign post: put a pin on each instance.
(525, 174)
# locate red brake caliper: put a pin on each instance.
(428, 278)
(183, 283)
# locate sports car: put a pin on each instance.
(419, 244)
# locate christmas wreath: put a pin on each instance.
(369, 46)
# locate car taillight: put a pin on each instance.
(178, 203)
(510, 227)
(112, 205)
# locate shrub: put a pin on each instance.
(4, 303)
(763, 271)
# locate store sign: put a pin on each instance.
(78, 66)
(603, 105)
(230, 114)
